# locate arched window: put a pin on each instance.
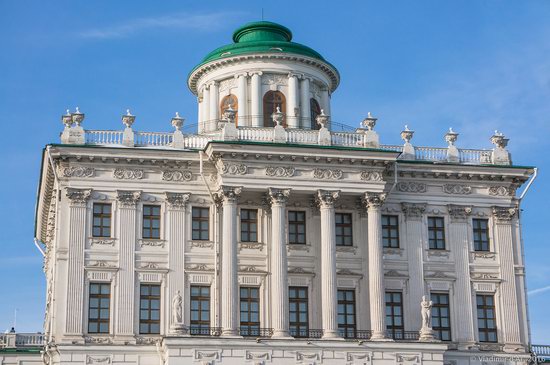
(272, 100)
(315, 110)
(226, 102)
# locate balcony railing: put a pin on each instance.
(205, 331)
(255, 332)
(309, 333)
(542, 352)
(400, 335)
(13, 340)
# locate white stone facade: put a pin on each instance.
(273, 171)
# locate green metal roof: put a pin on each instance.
(261, 37)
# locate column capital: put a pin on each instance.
(78, 197)
(244, 74)
(213, 83)
(413, 211)
(278, 196)
(327, 198)
(504, 214)
(229, 194)
(177, 200)
(128, 198)
(255, 73)
(295, 74)
(373, 200)
(459, 213)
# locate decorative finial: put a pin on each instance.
(177, 115)
(451, 137)
(77, 111)
(322, 119)
(369, 122)
(67, 112)
(128, 119)
(77, 117)
(499, 140)
(406, 127)
(407, 134)
(128, 112)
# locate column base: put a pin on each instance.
(331, 335)
(281, 335)
(427, 335)
(380, 336)
(230, 333)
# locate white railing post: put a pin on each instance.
(128, 136)
(408, 149)
(177, 137)
(452, 152)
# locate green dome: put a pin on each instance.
(261, 37)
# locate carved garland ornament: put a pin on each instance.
(280, 171)
(328, 174)
(457, 189)
(234, 169)
(177, 175)
(128, 174)
(371, 176)
(77, 171)
(502, 191)
(411, 187)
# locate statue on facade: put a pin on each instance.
(177, 314)
(426, 332)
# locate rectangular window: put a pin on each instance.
(249, 225)
(390, 231)
(149, 309)
(297, 227)
(346, 313)
(298, 311)
(481, 234)
(250, 312)
(151, 221)
(101, 220)
(200, 310)
(344, 235)
(200, 222)
(99, 308)
(394, 315)
(436, 233)
(486, 318)
(441, 316)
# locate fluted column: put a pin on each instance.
(242, 115)
(127, 202)
(256, 102)
(279, 264)
(503, 217)
(214, 106)
(78, 199)
(329, 286)
(229, 196)
(293, 101)
(305, 108)
(176, 203)
(373, 202)
(205, 122)
(325, 101)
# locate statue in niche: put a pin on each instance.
(426, 312)
(177, 304)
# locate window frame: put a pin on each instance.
(296, 223)
(314, 110)
(347, 330)
(151, 218)
(478, 234)
(438, 244)
(249, 328)
(484, 307)
(388, 229)
(199, 323)
(101, 216)
(248, 222)
(99, 296)
(343, 226)
(200, 219)
(267, 120)
(149, 298)
(436, 307)
(302, 327)
(396, 331)
(223, 106)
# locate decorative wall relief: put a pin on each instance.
(457, 189)
(152, 243)
(102, 242)
(177, 175)
(99, 359)
(128, 174)
(280, 171)
(77, 171)
(411, 187)
(328, 174)
(234, 169)
(228, 84)
(371, 176)
(502, 190)
(274, 79)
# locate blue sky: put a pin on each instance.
(474, 65)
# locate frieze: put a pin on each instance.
(102, 242)
(438, 253)
(305, 356)
(274, 79)
(395, 274)
(328, 174)
(261, 356)
(77, 171)
(280, 171)
(251, 246)
(128, 174)
(227, 84)
(298, 270)
(484, 276)
(502, 190)
(249, 268)
(198, 267)
(102, 263)
(298, 247)
(177, 175)
(98, 340)
(150, 265)
(411, 187)
(347, 249)
(234, 169)
(148, 340)
(201, 244)
(348, 272)
(99, 359)
(371, 175)
(393, 251)
(439, 275)
(152, 243)
(457, 189)
(484, 255)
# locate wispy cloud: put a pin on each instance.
(196, 22)
(539, 290)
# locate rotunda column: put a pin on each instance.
(229, 196)
(242, 115)
(305, 108)
(204, 123)
(326, 199)
(325, 101)
(293, 101)
(373, 202)
(279, 264)
(214, 107)
(256, 102)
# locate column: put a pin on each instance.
(242, 115)
(510, 305)
(459, 231)
(176, 204)
(214, 107)
(78, 200)
(279, 264)
(256, 101)
(305, 109)
(229, 275)
(293, 102)
(205, 123)
(200, 107)
(374, 201)
(325, 101)
(413, 240)
(329, 286)
(127, 202)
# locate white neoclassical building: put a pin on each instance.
(271, 238)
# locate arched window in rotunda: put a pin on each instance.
(315, 110)
(272, 100)
(226, 102)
